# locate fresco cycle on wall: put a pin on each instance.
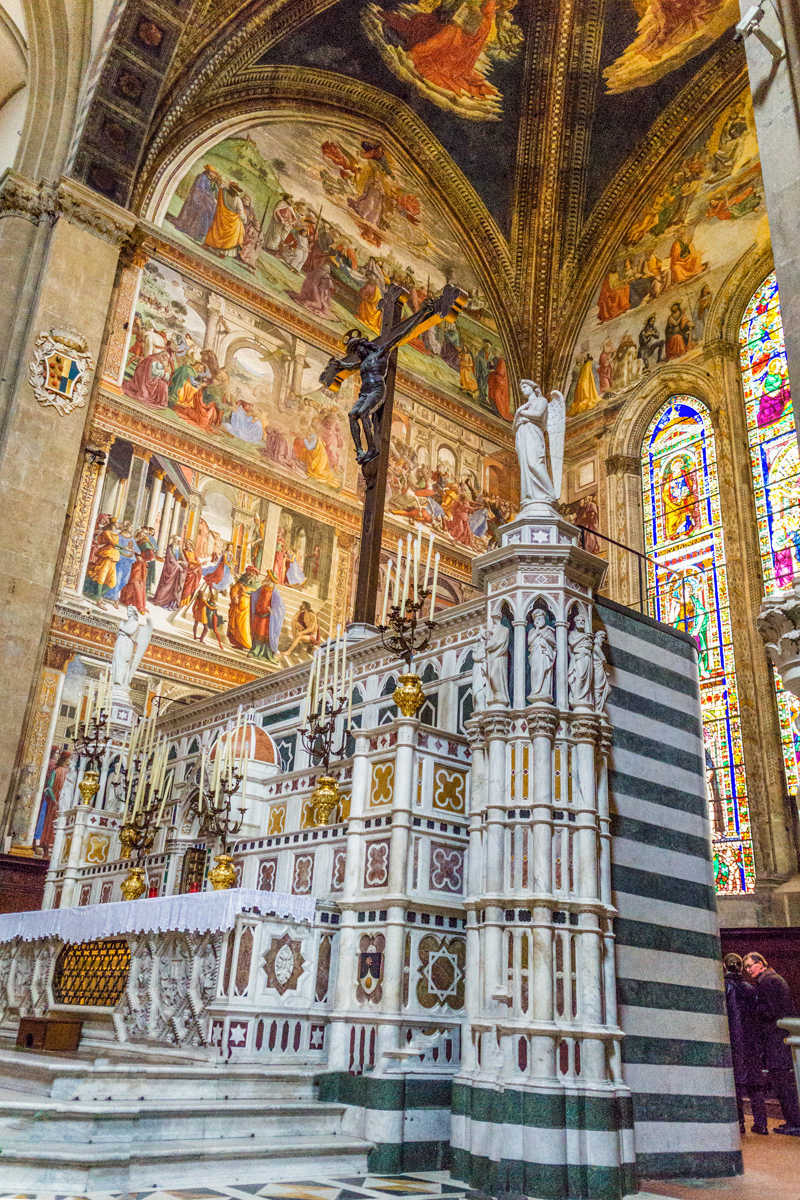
(208, 563)
(653, 303)
(668, 34)
(323, 219)
(213, 369)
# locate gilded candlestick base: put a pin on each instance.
(223, 875)
(408, 695)
(133, 886)
(326, 799)
(127, 841)
(89, 785)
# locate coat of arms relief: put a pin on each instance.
(59, 370)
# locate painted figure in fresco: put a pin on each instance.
(677, 332)
(445, 44)
(614, 298)
(483, 360)
(541, 656)
(145, 540)
(150, 380)
(197, 214)
(134, 592)
(127, 553)
(267, 616)
(317, 290)
(206, 615)
(170, 585)
(226, 234)
(239, 627)
(466, 371)
(192, 582)
(499, 392)
(724, 159)
(680, 498)
(684, 260)
(305, 629)
(586, 394)
(218, 574)
(280, 224)
(668, 34)
(57, 771)
(104, 557)
(650, 342)
(244, 424)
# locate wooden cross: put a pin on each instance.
(371, 415)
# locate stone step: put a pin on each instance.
(73, 1167)
(123, 1121)
(123, 1077)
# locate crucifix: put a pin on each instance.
(371, 415)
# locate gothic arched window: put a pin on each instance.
(776, 474)
(688, 588)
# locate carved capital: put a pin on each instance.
(585, 728)
(542, 721)
(35, 202)
(473, 728)
(495, 724)
(622, 464)
(84, 207)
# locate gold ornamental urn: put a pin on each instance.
(408, 695)
(326, 799)
(223, 875)
(133, 886)
(88, 786)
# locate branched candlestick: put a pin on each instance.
(148, 789)
(216, 790)
(330, 693)
(402, 628)
(92, 734)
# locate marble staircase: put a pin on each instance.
(129, 1123)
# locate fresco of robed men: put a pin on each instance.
(654, 300)
(324, 219)
(211, 564)
(252, 391)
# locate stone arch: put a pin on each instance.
(261, 95)
(636, 414)
(733, 296)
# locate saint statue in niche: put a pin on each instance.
(541, 656)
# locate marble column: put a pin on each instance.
(85, 511)
(520, 650)
(157, 477)
(628, 577)
(142, 456)
(166, 517)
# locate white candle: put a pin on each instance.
(203, 758)
(350, 699)
(327, 666)
(416, 564)
(344, 656)
(386, 592)
(404, 596)
(315, 665)
(337, 662)
(396, 598)
(433, 585)
(428, 563)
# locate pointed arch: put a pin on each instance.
(688, 588)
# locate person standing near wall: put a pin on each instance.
(773, 1002)
(746, 1043)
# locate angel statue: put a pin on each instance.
(129, 650)
(538, 424)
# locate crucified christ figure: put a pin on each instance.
(371, 360)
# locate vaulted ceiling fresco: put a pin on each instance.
(529, 127)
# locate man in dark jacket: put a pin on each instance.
(773, 1002)
(746, 1043)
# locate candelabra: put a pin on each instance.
(92, 742)
(329, 694)
(214, 802)
(402, 627)
(148, 788)
(138, 834)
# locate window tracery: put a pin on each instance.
(688, 589)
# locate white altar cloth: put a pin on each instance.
(196, 912)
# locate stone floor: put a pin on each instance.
(772, 1172)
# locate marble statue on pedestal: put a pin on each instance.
(601, 684)
(541, 657)
(479, 680)
(129, 650)
(580, 666)
(539, 424)
(497, 664)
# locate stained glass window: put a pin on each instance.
(688, 588)
(776, 473)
